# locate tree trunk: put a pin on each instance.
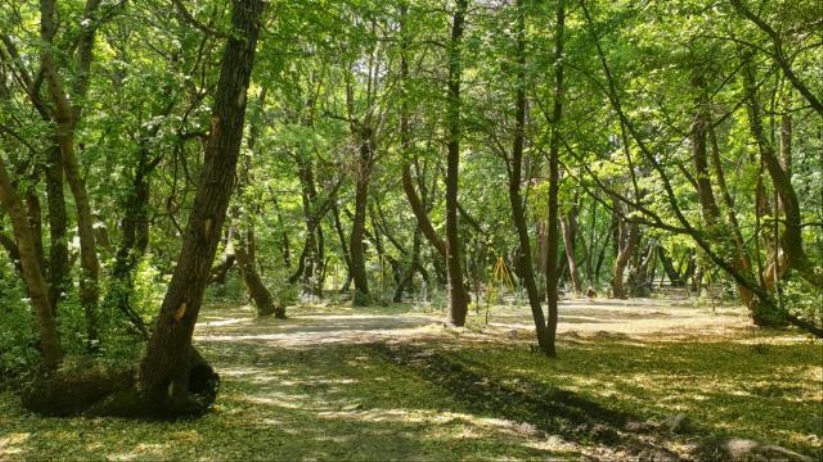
(163, 382)
(568, 226)
(629, 237)
(66, 118)
(263, 301)
(341, 235)
(35, 215)
(668, 267)
(515, 169)
(552, 240)
(357, 247)
(312, 258)
(458, 296)
(792, 239)
(700, 127)
(133, 245)
(59, 270)
(408, 276)
(32, 273)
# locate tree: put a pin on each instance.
(164, 373)
(458, 296)
(32, 272)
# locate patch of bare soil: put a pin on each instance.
(674, 318)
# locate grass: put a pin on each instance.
(341, 389)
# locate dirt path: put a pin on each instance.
(544, 422)
(313, 326)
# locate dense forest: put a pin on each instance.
(163, 158)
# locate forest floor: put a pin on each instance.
(651, 379)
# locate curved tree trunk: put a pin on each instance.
(32, 273)
(515, 169)
(260, 294)
(792, 238)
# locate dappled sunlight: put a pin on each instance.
(12, 444)
(450, 426)
(142, 451)
(370, 386)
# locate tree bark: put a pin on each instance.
(423, 222)
(260, 294)
(59, 270)
(357, 247)
(515, 169)
(629, 237)
(134, 243)
(66, 118)
(32, 272)
(162, 382)
(568, 226)
(458, 296)
(668, 267)
(552, 239)
(792, 239)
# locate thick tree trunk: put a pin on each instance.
(32, 272)
(163, 381)
(458, 296)
(35, 214)
(640, 280)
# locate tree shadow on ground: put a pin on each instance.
(549, 409)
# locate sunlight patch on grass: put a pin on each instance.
(142, 451)
(10, 444)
